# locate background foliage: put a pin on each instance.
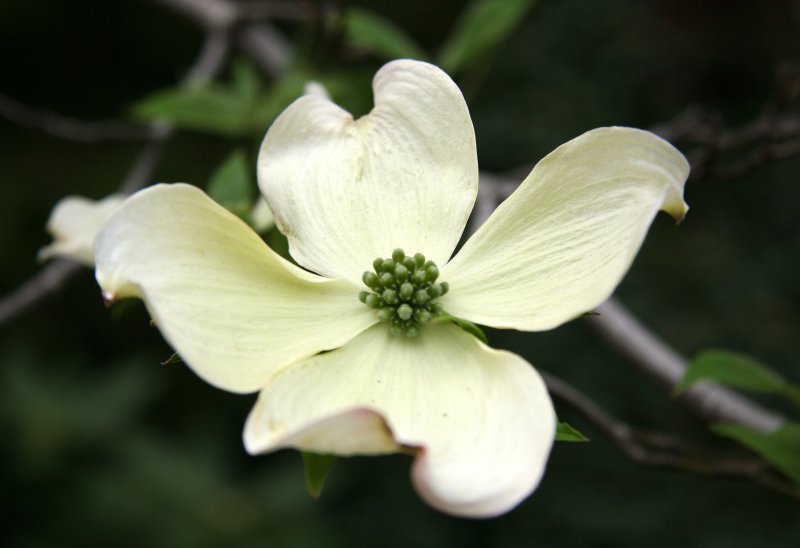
(102, 445)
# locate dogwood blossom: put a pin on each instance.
(74, 224)
(350, 350)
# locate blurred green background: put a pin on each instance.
(103, 446)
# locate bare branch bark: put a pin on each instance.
(662, 450)
(644, 349)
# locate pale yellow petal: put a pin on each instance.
(480, 419)
(345, 192)
(261, 216)
(563, 241)
(229, 306)
(74, 224)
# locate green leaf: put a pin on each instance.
(481, 27)
(735, 370)
(380, 36)
(227, 109)
(246, 81)
(565, 432)
(469, 327)
(780, 447)
(215, 108)
(232, 185)
(317, 469)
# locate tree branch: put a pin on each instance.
(265, 46)
(662, 450)
(644, 349)
(57, 274)
(71, 128)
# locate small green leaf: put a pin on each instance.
(780, 447)
(232, 185)
(380, 36)
(469, 327)
(317, 469)
(480, 28)
(215, 108)
(734, 370)
(172, 359)
(246, 81)
(565, 432)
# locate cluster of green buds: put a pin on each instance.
(404, 289)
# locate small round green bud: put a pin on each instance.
(401, 272)
(406, 291)
(389, 296)
(432, 272)
(404, 311)
(370, 279)
(385, 314)
(422, 316)
(386, 279)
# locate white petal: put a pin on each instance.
(229, 306)
(261, 216)
(562, 242)
(313, 87)
(345, 192)
(74, 224)
(481, 418)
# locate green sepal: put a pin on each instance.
(565, 432)
(232, 185)
(469, 327)
(738, 371)
(780, 447)
(172, 359)
(317, 468)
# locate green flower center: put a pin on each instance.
(404, 291)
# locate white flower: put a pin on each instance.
(74, 224)
(479, 421)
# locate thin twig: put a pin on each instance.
(290, 11)
(718, 153)
(648, 352)
(662, 450)
(57, 274)
(69, 128)
(265, 46)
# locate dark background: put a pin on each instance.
(101, 445)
